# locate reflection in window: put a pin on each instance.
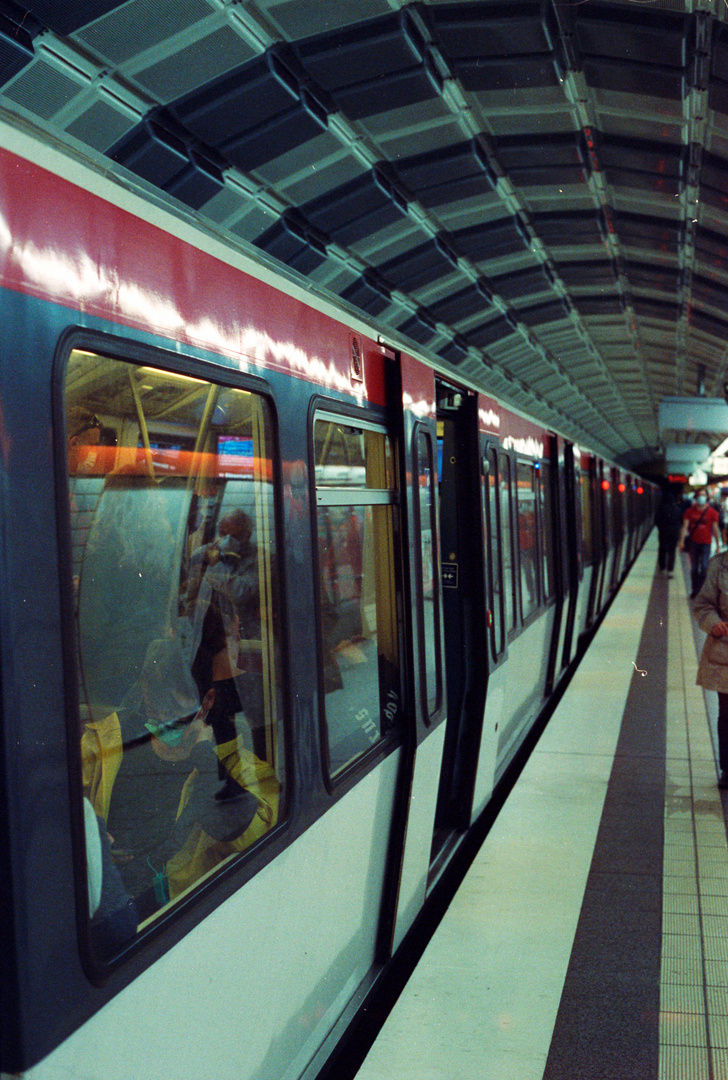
(429, 575)
(357, 534)
(547, 532)
(177, 650)
(504, 477)
(587, 530)
(527, 538)
(493, 562)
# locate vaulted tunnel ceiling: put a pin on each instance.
(534, 192)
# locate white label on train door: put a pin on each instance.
(449, 575)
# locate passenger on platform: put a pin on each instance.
(700, 528)
(668, 520)
(711, 611)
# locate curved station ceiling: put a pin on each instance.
(536, 193)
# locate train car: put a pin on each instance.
(280, 601)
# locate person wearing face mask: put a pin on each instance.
(700, 528)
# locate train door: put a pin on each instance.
(464, 611)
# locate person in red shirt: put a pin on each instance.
(700, 526)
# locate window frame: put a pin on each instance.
(161, 933)
(490, 472)
(511, 615)
(525, 618)
(350, 416)
(431, 714)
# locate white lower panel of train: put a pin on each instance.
(255, 988)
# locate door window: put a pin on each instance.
(358, 540)
(429, 569)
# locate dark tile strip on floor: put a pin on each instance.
(607, 1024)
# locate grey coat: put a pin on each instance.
(711, 607)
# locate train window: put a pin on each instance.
(357, 541)
(177, 633)
(587, 519)
(547, 531)
(527, 536)
(493, 555)
(507, 554)
(430, 582)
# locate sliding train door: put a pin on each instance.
(464, 613)
(446, 623)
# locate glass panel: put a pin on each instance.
(357, 564)
(352, 457)
(504, 477)
(179, 675)
(494, 560)
(587, 532)
(527, 536)
(358, 616)
(430, 581)
(547, 532)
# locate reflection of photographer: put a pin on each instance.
(223, 601)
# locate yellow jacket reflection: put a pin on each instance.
(102, 753)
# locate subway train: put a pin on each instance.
(280, 603)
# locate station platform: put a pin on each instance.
(589, 938)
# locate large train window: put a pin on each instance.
(357, 536)
(430, 579)
(527, 536)
(177, 633)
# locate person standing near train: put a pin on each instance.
(668, 520)
(711, 611)
(700, 527)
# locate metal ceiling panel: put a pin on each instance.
(71, 14)
(193, 66)
(129, 28)
(575, 153)
(42, 89)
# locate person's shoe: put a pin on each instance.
(723, 779)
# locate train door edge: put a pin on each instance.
(411, 394)
(464, 613)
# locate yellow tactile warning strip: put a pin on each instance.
(694, 968)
